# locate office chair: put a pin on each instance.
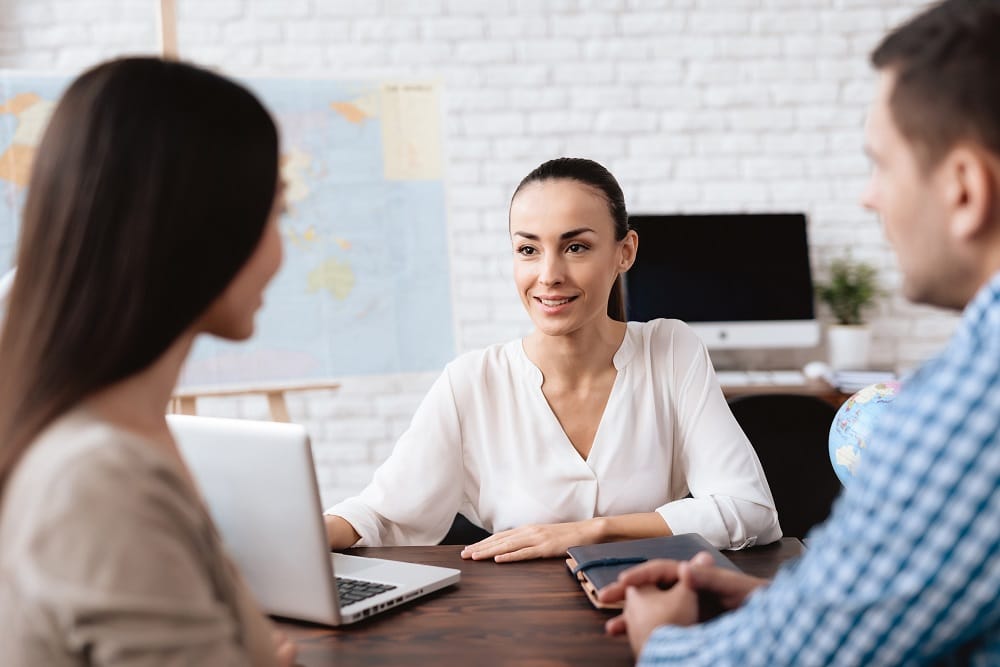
(790, 433)
(463, 532)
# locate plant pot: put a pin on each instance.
(848, 345)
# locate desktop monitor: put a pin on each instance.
(740, 280)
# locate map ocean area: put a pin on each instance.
(364, 287)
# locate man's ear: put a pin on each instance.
(970, 191)
(630, 246)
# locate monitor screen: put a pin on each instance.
(746, 271)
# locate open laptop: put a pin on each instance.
(260, 486)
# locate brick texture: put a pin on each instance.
(696, 105)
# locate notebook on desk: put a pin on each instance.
(258, 481)
(597, 565)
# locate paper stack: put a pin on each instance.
(849, 382)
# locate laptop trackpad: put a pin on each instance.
(355, 566)
(390, 571)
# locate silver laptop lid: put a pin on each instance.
(260, 486)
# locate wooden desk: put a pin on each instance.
(817, 388)
(530, 614)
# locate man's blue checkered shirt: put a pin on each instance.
(906, 571)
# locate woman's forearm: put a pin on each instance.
(340, 532)
(630, 527)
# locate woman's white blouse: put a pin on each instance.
(485, 442)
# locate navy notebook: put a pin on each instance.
(597, 565)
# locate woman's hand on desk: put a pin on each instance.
(553, 539)
(527, 542)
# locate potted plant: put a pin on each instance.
(851, 289)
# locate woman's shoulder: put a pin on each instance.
(75, 446)
(661, 334)
(500, 357)
(89, 488)
(493, 368)
(81, 460)
(81, 441)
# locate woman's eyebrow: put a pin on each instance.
(565, 235)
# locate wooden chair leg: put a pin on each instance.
(279, 410)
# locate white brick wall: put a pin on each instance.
(695, 105)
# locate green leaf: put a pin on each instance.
(853, 287)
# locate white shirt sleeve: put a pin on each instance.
(485, 440)
(416, 492)
(731, 503)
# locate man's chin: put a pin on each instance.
(923, 295)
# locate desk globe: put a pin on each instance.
(852, 427)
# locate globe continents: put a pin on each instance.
(852, 427)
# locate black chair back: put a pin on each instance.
(463, 532)
(791, 433)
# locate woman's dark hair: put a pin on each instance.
(946, 61)
(592, 174)
(150, 190)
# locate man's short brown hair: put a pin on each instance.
(947, 66)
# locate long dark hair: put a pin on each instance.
(151, 188)
(596, 176)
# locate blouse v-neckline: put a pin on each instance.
(620, 360)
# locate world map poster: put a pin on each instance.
(364, 288)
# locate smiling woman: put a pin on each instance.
(589, 429)
(559, 189)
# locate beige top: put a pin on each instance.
(108, 557)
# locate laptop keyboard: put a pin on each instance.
(355, 590)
